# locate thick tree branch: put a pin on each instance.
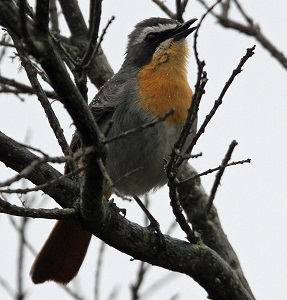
(182, 257)
(190, 259)
(42, 48)
(194, 200)
(18, 158)
(224, 279)
(42, 17)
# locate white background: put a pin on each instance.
(252, 198)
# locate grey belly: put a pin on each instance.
(136, 163)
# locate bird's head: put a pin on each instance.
(158, 40)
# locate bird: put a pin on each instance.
(151, 82)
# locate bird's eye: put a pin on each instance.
(151, 37)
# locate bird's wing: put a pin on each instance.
(102, 106)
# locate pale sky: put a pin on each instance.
(251, 200)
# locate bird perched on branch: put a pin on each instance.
(151, 82)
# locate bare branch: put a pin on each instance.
(20, 294)
(53, 120)
(98, 45)
(219, 174)
(95, 18)
(139, 128)
(184, 4)
(99, 270)
(26, 242)
(99, 70)
(6, 286)
(23, 20)
(209, 171)
(135, 295)
(43, 186)
(177, 157)
(74, 18)
(30, 168)
(179, 11)
(251, 29)
(164, 8)
(23, 88)
(177, 211)
(218, 102)
(194, 199)
(243, 13)
(54, 17)
(182, 257)
(158, 284)
(55, 213)
(42, 17)
(18, 158)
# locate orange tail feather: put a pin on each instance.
(63, 253)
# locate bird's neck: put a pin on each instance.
(163, 85)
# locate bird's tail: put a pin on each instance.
(63, 253)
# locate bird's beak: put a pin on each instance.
(183, 30)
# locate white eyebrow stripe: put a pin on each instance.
(158, 28)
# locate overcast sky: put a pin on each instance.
(251, 200)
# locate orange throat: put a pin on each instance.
(163, 84)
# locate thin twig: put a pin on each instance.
(176, 160)
(53, 120)
(127, 175)
(209, 171)
(219, 174)
(43, 186)
(34, 149)
(69, 59)
(57, 159)
(95, 51)
(206, 6)
(42, 17)
(140, 128)
(184, 4)
(22, 237)
(225, 5)
(26, 171)
(218, 102)
(23, 88)
(29, 246)
(54, 213)
(6, 286)
(23, 20)
(158, 284)
(109, 180)
(113, 293)
(54, 17)
(252, 29)
(95, 17)
(208, 11)
(243, 13)
(99, 270)
(179, 11)
(164, 8)
(177, 211)
(135, 287)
